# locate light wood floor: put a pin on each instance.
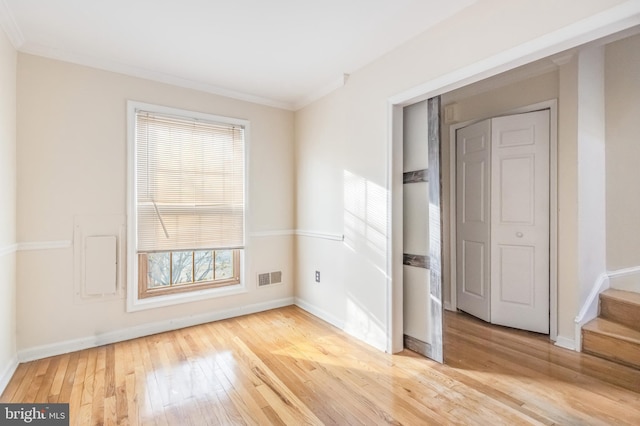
(288, 367)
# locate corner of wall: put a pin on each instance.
(8, 212)
(8, 373)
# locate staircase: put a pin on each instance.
(615, 334)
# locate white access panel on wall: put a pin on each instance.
(99, 252)
(100, 265)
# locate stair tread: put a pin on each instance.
(613, 329)
(622, 296)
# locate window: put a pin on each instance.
(187, 209)
(175, 271)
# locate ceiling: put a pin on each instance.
(284, 53)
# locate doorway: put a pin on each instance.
(523, 54)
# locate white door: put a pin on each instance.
(502, 220)
(520, 221)
(473, 147)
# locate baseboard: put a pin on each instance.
(589, 309)
(566, 343)
(626, 279)
(54, 349)
(8, 373)
(322, 314)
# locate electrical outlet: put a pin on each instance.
(317, 276)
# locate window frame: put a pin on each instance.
(145, 291)
(189, 292)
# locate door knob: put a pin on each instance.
(519, 234)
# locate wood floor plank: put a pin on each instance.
(70, 377)
(89, 376)
(13, 387)
(58, 379)
(286, 366)
(24, 380)
(98, 398)
(516, 362)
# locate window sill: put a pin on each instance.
(134, 303)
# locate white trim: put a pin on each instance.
(317, 234)
(186, 297)
(44, 245)
(624, 272)
(10, 26)
(44, 351)
(8, 373)
(321, 92)
(7, 250)
(276, 233)
(552, 106)
(133, 302)
(320, 313)
(589, 310)
(395, 230)
(566, 343)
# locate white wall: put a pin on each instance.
(7, 209)
(622, 153)
(348, 132)
(72, 162)
(591, 170)
(568, 200)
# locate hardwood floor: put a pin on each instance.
(288, 367)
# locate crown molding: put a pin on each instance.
(112, 66)
(10, 26)
(321, 92)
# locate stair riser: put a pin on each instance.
(611, 348)
(624, 313)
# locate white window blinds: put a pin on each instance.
(190, 184)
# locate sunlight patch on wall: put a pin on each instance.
(365, 219)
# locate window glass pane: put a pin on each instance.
(182, 271)
(224, 264)
(204, 265)
(158, 269)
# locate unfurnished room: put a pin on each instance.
(333, 213)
